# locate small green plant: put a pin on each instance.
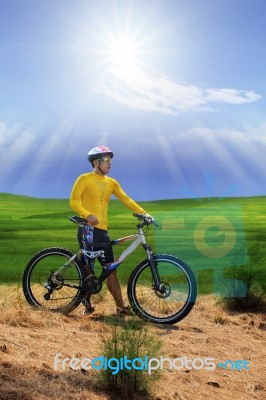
(254, 300)
(245, 291)
(219, 319)
(130, 341)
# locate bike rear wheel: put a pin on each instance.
(178, 295)
(40, 275)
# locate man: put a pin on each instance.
(90, 198)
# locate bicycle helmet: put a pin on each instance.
(98, 152)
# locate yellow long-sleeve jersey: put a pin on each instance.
(91, 194)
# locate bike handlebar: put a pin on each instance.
(142, 217)
(146, 220)
(78, 220)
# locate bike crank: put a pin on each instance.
(93, 284)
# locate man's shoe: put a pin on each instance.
(88, 310)
(126, 310)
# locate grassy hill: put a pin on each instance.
(220, 239)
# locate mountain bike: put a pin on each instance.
(160, 289)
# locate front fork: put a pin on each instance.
(154, 269)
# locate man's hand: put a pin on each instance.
(151, 219)
(148, 216)
(92, 220)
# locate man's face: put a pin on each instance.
(104, 164)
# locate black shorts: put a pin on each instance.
(98, 236)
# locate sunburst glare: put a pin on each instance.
(123, 51)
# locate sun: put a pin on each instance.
(123, 51)
(123, 55)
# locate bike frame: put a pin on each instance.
(139, 239)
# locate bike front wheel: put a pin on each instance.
(53, 279)
(174, 301)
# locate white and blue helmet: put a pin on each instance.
(98, 152)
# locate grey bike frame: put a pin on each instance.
(140, 239)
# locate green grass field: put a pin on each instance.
(220, 239)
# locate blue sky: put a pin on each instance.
(175, 88)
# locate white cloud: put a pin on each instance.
(16, 149)
(46, 159)
(232, 96)
(139, 89)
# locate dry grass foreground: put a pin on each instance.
(29, 339)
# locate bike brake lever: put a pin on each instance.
(155, 223)
(148, 220)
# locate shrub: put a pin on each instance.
(133, 341)
(245, 292)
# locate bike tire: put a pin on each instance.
(40, 267)
(180, 290)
